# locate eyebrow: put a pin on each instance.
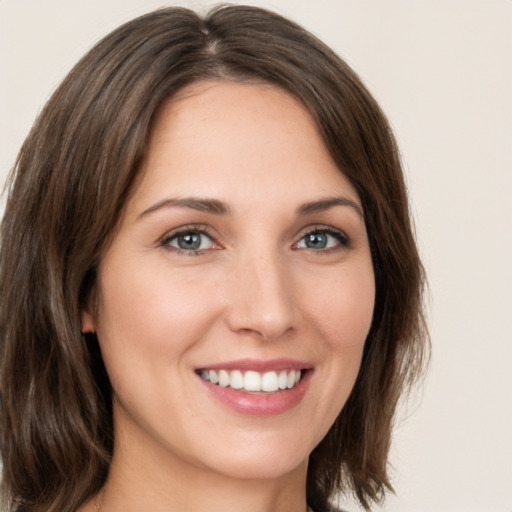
(203, 205)
(217, 207)
(326, 204)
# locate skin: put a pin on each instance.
(254, 289)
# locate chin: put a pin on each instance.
(257, 455)
(267, 467)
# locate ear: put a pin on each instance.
(87, 322)
(88, 307)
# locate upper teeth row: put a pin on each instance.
(253, 381)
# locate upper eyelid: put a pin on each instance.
(345, 240)
(322, 227)
(209, 231)
(188, 228)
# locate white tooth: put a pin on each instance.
(205, 375)
(269, 382)
(214, 378)
(297, 376)
(290, 382)
(237, 379)
(223, 378)
(252, 381)
(283, 379)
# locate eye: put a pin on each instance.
(189, 240)
(322, 238)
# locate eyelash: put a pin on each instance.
(343, 240)
(187, 230)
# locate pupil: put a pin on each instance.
(316, 241)
(190, 241)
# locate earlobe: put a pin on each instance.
(87, 322)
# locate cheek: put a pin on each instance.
(149, 319)
(150, 301)
(339, 315)
(342, 308)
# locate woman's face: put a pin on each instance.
(242, 256)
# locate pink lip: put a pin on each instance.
(260, 404)
(259, 365)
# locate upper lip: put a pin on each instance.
(259, 365)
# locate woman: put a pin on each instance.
(211, 293)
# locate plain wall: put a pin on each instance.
(442, 71)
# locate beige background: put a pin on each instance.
(442, 71)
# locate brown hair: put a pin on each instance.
(66, 193)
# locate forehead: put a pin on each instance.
(233, 140)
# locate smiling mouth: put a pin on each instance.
(253, 381)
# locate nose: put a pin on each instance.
(261, 298)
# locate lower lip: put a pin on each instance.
(260, 404)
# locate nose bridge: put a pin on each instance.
(263, 296)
